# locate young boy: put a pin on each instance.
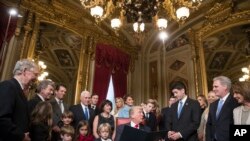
(67, 118)
(67, 133)
(104, 131)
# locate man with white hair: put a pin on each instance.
(14, 115)
(137, 117)
(82, 111)
(220, 115)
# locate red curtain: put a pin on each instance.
(110, 61)
(4, 14)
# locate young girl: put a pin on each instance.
(83, 132)
(41, 122)
(104, 131)
(67, 133)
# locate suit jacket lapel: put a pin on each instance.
(57, 108)
(223, 106)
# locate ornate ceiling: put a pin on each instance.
(224, 51)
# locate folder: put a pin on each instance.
(132, 134)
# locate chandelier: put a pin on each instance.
(43, 73)
(140, 12)
(245, 76)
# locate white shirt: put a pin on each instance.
(133, 124)
(183, 100)
(40, 97)
(106, 139)
(60, 104)
(83, 107)
(224, 98)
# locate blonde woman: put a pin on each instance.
(211, 97)
(119, 103)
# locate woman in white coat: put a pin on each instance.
(241, 92)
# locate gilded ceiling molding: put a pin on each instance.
(224, 18)
(220, 17)
(68, 16)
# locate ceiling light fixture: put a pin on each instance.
(245, 76)
(140, 12)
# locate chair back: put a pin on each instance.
(120, 120)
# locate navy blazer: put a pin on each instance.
(220, 126)
(188, 122)
(14, 115)
(79, 115)
(120, 128)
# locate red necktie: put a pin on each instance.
(137, 126)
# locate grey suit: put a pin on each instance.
(57, 112)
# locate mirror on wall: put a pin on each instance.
(59, 49)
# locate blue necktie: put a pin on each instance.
(179, 109)
(86, 113)
(220, 104)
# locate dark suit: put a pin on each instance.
(79, 115)
(39, 132)
(96, 109)
(188, 122)
(151, 121)
(33, 102)
(14, 116)
(164, 116)
(120, 128)
(220, 126)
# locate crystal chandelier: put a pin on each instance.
(140, 12)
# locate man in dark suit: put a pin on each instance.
(82, 111)
(94, 101)
(136, 115)
(149, 116)
(184, 116)
(58, 106)
(44, 91)
(220, 114)
(14, 115)
(165, 112)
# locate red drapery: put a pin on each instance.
(110, 61)
(4, 14)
